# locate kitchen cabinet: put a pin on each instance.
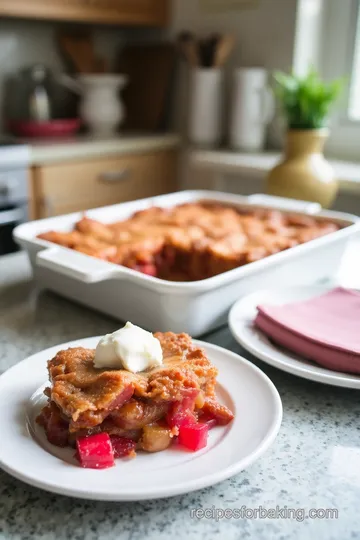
(74, 186)
(122, 12)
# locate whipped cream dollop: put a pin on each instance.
(130, 348)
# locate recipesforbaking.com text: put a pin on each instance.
(279, 512)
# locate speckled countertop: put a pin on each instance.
(314, 463)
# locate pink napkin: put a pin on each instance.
(325, 329)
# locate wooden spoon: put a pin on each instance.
(224, 49)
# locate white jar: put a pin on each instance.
(206, 95)
(252, 109)
(101, 108)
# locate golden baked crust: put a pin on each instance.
(86, 395)
(83, 400)
(192, 241)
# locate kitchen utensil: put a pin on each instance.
(101, 109)
(224, 47)
(253, 340)
(242, 387)
(53, 128)
(208, 52)
(208, 47)
(196, 307)
(79, 50)
(206, 95)
(189, 48)
(252, 109)
(150, 70)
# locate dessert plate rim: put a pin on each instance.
(241, 325)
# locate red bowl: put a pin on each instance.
(53, 128)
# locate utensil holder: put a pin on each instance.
(205, 123)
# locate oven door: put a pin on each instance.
(10, 217)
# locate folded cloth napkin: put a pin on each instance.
(325, 329)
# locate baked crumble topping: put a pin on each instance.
(193, 241)
(147, 408)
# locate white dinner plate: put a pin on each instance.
(26, 454)
(241, 320)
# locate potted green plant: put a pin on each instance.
(304, 173)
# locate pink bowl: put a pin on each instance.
(53, 128)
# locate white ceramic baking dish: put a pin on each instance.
(193, 307)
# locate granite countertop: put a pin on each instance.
(314, 463)
(80, 147)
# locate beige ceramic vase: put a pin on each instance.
(304, 173)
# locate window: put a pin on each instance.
(328, 38)
(354, 95)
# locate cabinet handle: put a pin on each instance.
(111, 177)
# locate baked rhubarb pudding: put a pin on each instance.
(135, 392)
(192, 241)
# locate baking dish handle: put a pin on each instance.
(75, 265)
(282, 203)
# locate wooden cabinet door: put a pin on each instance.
(71, 187)
(131, 12)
